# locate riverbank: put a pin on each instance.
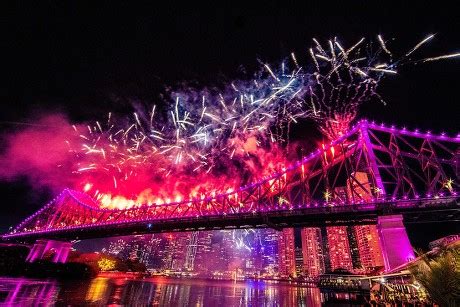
(13, 263)
(44, 269)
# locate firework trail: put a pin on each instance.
(206, 141)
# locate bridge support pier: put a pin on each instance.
(394, 242)
(42, 247)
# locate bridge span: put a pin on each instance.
(374, 174)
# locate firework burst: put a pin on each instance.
(206, 141)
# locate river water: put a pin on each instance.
(161, 291)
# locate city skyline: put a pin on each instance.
(268, 253)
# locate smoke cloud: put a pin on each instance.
(41, 152)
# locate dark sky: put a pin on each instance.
(75, 59)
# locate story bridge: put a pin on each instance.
(374, 174)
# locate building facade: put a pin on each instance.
(312, 252)
(370, 253)
(339, 248)
(286, 250)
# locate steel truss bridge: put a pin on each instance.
(373, 170)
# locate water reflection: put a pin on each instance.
(23, 292)
(156, 291)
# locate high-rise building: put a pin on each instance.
(354, 248)
(339, 248)
(174, 255)
(167, 254)
(218, 258)
(117, 247)
(157, 245)
(369, 246)
(143, 248)
(367, 239)
(359, 188)
(191, 251)
(270, 251)
(325, 247)
(203, 251)
(312, 252)
(257, 250)
(243, 251)
(286, 250)
(179, 250)
(299, 267)
(136, 248)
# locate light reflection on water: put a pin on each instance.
(156, 291)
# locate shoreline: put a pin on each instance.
(223, 281)
(186, 279)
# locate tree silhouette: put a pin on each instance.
(439, 274)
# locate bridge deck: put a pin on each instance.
(421, 211)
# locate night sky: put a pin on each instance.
(86, 61)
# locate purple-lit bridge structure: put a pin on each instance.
(375, 174)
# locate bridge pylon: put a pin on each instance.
(60, 251)
(394, 242)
